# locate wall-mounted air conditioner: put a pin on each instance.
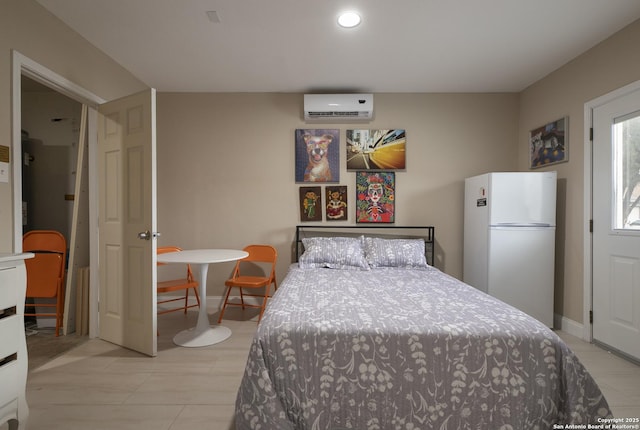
(338, 107)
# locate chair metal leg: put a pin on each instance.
(195, 292)
(264, 301)
(186, 300)
(224, 304)
(241, 297)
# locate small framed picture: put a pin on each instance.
(549, 144)
(336, 206)
(310, 204)
(375, 197)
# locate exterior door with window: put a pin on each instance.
(616, 223)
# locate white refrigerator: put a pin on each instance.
(509, 239)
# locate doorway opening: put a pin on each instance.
(50, 140)
(31, 73)
(137, 111)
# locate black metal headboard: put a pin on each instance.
(427, 233)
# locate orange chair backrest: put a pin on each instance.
(261, 253)
(45, 271)
(165, 249)
(45, 241)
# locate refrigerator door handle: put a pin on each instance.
(517, 224)
(529, 226)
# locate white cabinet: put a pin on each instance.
(13, 345)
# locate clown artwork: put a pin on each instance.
(336, 206)
(310, 204)
(375, 197)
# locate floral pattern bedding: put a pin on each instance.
(409, 349)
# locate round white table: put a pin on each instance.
(203, 334)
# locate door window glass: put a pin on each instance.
(626, 147)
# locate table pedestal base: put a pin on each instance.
(194, 337)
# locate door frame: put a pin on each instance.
(24, 66)
(587, 329)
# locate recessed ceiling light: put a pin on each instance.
(349, 19)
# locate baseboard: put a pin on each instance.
(569, 326)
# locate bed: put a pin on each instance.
(363, 333)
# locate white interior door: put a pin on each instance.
(616, 223)
(127, 207)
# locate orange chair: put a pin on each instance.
(257, 254)
(45, 272)
(185, 284)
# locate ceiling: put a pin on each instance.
(297, 46)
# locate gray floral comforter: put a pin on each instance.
(406, 349)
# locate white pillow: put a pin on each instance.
(333, 252)
(405, 253)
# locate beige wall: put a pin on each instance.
(226, 166)
(29, 29)
(608, 66)
(226, 160)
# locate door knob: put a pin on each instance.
(147, 235)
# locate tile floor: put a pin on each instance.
(100, 386)
(618, 379)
